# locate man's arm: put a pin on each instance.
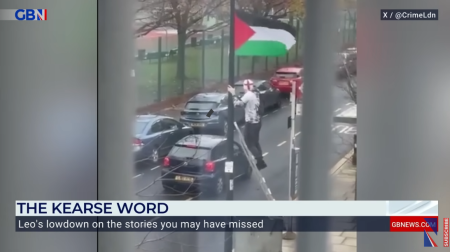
(244, 99)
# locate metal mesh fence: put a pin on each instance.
(206, 60)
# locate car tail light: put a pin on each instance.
(166, 162)
(137, 142)
(210, 167)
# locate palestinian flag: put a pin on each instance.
(260, 36)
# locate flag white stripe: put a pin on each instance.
(268, 34)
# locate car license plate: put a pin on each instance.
(185, 179)
(197, 124)
(284, 83)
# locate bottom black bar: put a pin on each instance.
(206, 223)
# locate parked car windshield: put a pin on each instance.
(201, 105)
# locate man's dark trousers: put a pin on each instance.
(251, 136)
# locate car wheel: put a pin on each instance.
(154, 156)
(279, 103)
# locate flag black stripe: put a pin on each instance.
(256, 20)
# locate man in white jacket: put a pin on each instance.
(252, 120)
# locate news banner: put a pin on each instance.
(253, 216)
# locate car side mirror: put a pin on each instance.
(180, 126)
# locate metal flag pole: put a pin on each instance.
(229, 176)
(294, 152)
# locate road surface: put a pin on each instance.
(274, 140)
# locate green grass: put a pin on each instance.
(147, 72)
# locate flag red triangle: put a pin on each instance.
(242, 32)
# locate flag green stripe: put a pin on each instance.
(262, 48)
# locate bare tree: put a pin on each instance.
(151, 15)
(185, 16)
(347, 4)
(350, 84)
(350, 87)
(268, 8)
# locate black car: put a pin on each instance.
(197, 162)
(196, 109)
(269, 97)
(155, 136)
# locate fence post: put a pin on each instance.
(253, 64)
(344, 28)
(222, 45)
(349, 23)
(203, 57)
(354, 28)
(298, 39)
(238, 66)
(267, 63)
(184, 71)
(159, 69)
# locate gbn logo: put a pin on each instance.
(31, 14)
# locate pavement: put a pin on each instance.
(274, 137)
(344, 177)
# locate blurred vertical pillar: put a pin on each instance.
(320, 42)
(115, 111)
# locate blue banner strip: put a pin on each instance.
(199, 223)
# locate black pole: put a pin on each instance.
(253, 64)
(203, 57)
(159, 69)
(297, 45)
(238, 66)
(228, 245)
(222, 46)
